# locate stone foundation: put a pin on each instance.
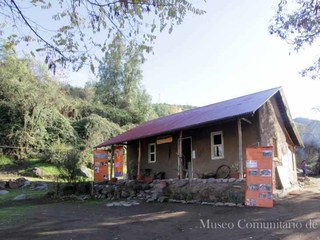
(205, 191)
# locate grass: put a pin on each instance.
(5, 162)
(14, 213)
(49, 171)
(30, 194)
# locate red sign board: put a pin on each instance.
(118, 154)
(101, 163)
(259, 177)
(101, 170)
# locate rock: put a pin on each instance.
(26, 184)
(150, 200)
(124, 194)
(3, 185)
(86, 172)
(3, 192)
(12, 185)
(212, 180)
(20, 181)
(229, 204)
(162, 184)
(107, 189)
(134, 203)
(68, 190)
(145, 186)
(19, 197)
(163, 199)
(192, 201)
(232, 179)
(37, 172)
(41, 186)
(182, 183)
(225, 180)
(83, 188)
(219, 204)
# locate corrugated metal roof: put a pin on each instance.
(197, 116)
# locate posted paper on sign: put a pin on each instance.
(252, 164)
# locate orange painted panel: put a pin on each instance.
(118, 154)
(101, 170)
(259, 190)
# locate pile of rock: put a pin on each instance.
(6, 186)
(205, 191)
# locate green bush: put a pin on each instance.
(5, 161)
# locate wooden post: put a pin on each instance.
(111, 162)
(240, 149)
(139, 159)
(180, 156)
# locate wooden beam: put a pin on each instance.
(139, 159)
(240, 149)
(111, 162)
(180, 157)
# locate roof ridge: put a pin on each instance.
(211, 104)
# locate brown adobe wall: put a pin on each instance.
(273, 133)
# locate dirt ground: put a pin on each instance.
(296, 216)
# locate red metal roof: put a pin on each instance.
(197, 116)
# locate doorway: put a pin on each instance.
(186, 160)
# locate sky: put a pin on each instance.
(226, 53)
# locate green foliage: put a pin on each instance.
(81, 26)
(30, 194)
(94, 129)
(164, 109)
(70, 167)
(30, 118)
(5, 162)
(310, 134)
(119, 85)
(56, 152)
(113, 114)
(297, 22)
(42, 118)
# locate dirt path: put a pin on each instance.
(295, 217)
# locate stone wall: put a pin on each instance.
(205, 191)
(273, 133)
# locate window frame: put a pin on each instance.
(212, 146)
(152, 153)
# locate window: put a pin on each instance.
(217, 149)
(152, 153)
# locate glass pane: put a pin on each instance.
(152, 157)
(217, 139)
(218, 151)
(151, 148)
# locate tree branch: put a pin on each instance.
(36, 33)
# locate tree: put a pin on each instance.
(298, 24)
(30, 104)
(80, 29)
(119, 84)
